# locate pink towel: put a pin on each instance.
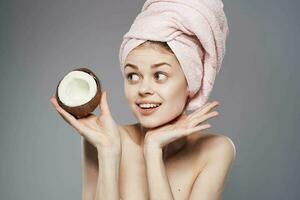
(195, 30)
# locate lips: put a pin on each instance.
(147, 102)
(147, 111)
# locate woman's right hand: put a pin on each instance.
(101, 131)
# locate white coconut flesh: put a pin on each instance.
(77, 88)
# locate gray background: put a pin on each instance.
(258, 90)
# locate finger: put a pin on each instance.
(182, 132)
(205, 109)
(203, 118)
(189, 131)
(103, 104)
(55, 105)
(199, 128)
(67, 116)
(89, 120)
(210, 106)
(75, 123)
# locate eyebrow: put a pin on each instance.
(152, 66)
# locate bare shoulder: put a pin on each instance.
(212, 145)
(214, 153)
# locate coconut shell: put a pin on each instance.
(84, 109)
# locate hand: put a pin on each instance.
(183, 126)
(102, 132)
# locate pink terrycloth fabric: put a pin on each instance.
(195, 30)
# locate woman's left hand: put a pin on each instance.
(183, 126)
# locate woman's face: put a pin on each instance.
(146, 81)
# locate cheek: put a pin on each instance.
(177, 89)
(175, 96)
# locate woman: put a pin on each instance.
(167, 154)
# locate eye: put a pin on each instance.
(162, 75)
(131, 75)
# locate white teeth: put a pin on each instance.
(147, 105)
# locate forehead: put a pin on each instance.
(150, 55)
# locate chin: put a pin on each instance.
(154, 122)
(148, 123)
(156, 119)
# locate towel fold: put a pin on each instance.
(195, 30)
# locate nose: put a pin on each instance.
(145, 88)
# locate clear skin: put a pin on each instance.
(165, 84)
(158, 132)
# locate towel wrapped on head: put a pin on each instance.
(195, 30)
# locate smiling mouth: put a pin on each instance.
(148, 107)
(148, 111)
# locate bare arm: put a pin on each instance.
(156, 139)
(89, 170)
(102, 132)
(108, 177)
(159, 187)
(103, 185)
(210, 183)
